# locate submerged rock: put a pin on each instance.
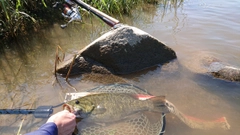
(122, 50)
(225, 72)
(205, 63)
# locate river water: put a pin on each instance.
(192, 28)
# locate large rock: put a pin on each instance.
(120, 51)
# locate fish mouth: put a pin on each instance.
(72, 110)
(77, 113)
(68, 107)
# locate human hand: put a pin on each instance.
(65, 122)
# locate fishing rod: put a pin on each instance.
(71, 11)
(43, 111)
(106, 18)
(40, 112)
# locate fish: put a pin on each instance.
(123, 109)
(111, 107)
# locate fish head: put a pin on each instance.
(81, 107)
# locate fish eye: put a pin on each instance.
(77, 102)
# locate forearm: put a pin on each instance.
(49, 128)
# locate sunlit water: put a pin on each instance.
(190, 28)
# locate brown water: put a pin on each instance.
(191, 28)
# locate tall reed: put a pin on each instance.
(17, 16)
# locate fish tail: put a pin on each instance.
(197, 123)
(159, 104)
(204, 124)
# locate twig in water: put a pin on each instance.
(63, 57)
(13, 98)
(19, 69)
(69, 71)
(57, 59)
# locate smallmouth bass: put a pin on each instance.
(110, 107)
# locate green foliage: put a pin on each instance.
(43, 2)
(18, 16)
(4, 9)
(114, 6)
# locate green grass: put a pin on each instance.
(114, 6)
(118, 6)
(19, 16)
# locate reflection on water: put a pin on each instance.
(189, 27)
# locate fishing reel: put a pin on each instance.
(70, 11)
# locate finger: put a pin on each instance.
(71, 115)
(71, 125)
(68, 114)
(71, 133)
(66, 111)
(67, 131)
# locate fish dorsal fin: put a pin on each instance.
(145, 97)
(142, 96)
(158, 98)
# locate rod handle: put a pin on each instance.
(40, 112)
(17, 111)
